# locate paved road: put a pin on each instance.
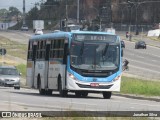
(29, 99)
(143, 62)
(140, 37)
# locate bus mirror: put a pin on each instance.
(125, 65)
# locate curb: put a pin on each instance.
(140, 97)
(156, 99)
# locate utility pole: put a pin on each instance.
(24, 21)
(66, 13)
(77, 11)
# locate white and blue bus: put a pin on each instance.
(79, 61)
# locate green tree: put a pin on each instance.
(33, 14)
(3, 14)
(13, 11)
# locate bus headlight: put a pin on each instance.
(117, 78)
(72, 76)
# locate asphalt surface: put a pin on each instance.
(143, 63)
(29, 99)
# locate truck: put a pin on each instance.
(38, 24)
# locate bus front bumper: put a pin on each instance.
(76, 85)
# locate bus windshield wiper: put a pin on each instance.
(104, 51)
(82, 48)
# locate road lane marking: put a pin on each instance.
(140, 56)
(145, 69)
(140, 52)
(142, 62)
(154, 60)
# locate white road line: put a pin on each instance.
(154, 60)
(139, 56)
(145, 69)
(141, 62)
(146, 104)
(146, 53)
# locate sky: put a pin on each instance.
(18, 4)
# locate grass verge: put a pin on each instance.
(22, 69)
(140, 87)
(14, 48)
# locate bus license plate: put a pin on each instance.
(94, 84)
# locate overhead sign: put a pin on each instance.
(3, 51)
(95, 37)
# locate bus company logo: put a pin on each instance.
(6, 115)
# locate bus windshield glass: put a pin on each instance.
(97, 54)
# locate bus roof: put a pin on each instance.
(61, 34)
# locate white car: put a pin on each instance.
(9, 76)
(24, 28)
(38, 32)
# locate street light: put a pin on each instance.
(78, 11)
(136, 4)
(118, 7)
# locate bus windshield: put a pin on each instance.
(94, 55)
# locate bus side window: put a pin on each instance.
(65, 53)
(30, 50)
(61, 50)
(51, 49)
(37, 51)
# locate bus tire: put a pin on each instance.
(107, 95)
(62, 93)
(84, 94)
(41, 91)
(78, 94)
(49, 92)
(81, 94)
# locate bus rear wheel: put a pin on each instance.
(78, 94)
(107, 95)
(49, 92)
(41, 91)
(62, 93)
(84, 94)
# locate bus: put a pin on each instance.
(78, 61)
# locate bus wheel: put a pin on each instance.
(107, 95)
(62, 93)
(41, 91)
(84, 94)
(49, 92)
(78, 94)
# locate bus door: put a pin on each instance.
(33, 61)
(31, 64)
(48, 44)
(66, 52)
